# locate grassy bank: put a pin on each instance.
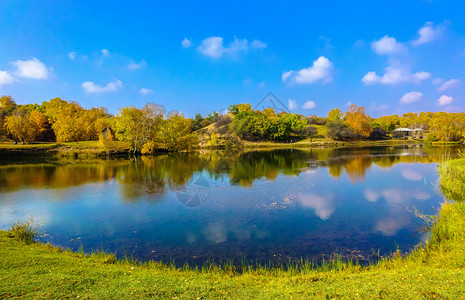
(318, 143)
(433, 270)
(452, 178)
(86, 148)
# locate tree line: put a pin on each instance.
(151, 128)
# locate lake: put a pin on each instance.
(254, 206)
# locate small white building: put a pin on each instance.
(416, 133)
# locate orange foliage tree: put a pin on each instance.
(357, 119)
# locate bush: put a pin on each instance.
(339, 131)
(430, 138)
(25, 232)
(378, 134)
(149, 148)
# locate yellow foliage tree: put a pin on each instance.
(335, 114)
(26, 126)
(357, 119)
(244, 107)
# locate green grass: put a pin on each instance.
(452, 180)
(19, 146)
(86, 148)
(433, 270)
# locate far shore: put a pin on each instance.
(93, 148)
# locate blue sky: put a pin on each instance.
(389, 56)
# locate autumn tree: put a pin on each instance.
(357, 119)
(335, 114)
(7, 106)
(70, 123)
(176, 133)
(448, 127)
(138, 126)
(387, 123)
(26, 126)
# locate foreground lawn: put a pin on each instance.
(434, 270)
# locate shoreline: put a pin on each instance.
(93, 148)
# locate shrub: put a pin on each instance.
(430, 138)
(25, 232)
(149, 148)
(337, 130)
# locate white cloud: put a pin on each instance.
(134, 66)
(371, 196)
(105, 52)
(410, 174)
(187, 43)
(323, 206)
(445, 100)
(411, 97)
(395, 75)
(286, 75)
(33, 68)
(292, 104)
(258, 44)
(428, 33)
(213, 46)
(144, 91)
(321, 70)
(450, 84)
(6, 78)
(387, 45)
(371, 78)
(309, 105)
(261, 84)
(90, 87)
(72, 55)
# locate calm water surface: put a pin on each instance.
(259, 206)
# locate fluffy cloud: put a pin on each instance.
(187, 43)
(105, 52)
(213, 46)
(33, 68)
(445, 100)
(292, 104)
(450, 84)
(370, 195)
(428, 33)
(90, 87)
(387, 45)
(72, 55)
(6, 78)
(309, 105)
(371, 78)
(411, 97)
(258, 44)
(144, 91)
(395, 75)
(321, 70)
(134, 66)
(410, 174)
(323, 205)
